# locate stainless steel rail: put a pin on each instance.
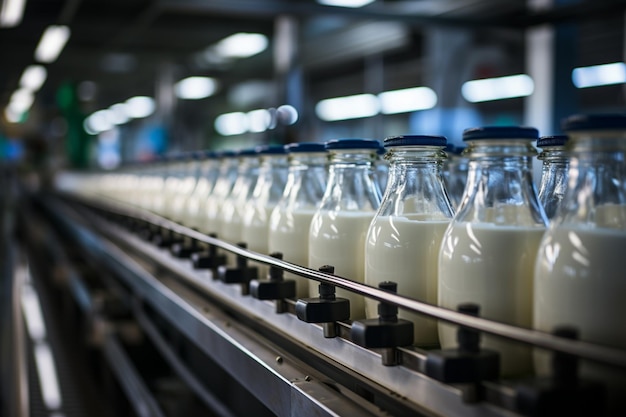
(586, 350)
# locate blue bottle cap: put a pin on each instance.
(225, 153)
(607, 121)
(198, 155)
(552, 140)
(209, 154)
(416, 140)
(352, 144)
(271, 150)
(247, 152)
(500, 132)
(305, 147)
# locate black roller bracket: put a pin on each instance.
(327, 309)
(240, 274)
(387, 332)
(563, 393)
(209, 259)
(275, 287)
(185, 249)
(468, 363)
(165, 238)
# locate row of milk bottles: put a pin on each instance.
(532, 259)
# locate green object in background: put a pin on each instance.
(77, 140)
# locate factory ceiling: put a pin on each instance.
(122, 45)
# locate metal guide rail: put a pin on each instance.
(461, 382)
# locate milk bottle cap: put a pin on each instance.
(271, 150)
(552, 140)
(247, 152)
(352, 144)
(305, 147)
(500, 132)
(412, 140)
(225, 153)
(605, 121)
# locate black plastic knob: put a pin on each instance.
(387, 331)
(241, 274)
(327, 308)
(209, 259)
(275, 287)
(564, 393)
(467, 363)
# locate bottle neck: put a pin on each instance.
(351, 182)
(271, 180)
(500, 187)
(415, 185)
(306, 180)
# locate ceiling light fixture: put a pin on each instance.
(345, 3)
(33, 77)
(52, 43)
(21, 100)
(407, 100)
(490, 89)
(230, 124)
(195, 88)
(598, 75)
(11, 13)
(117, 114)
(241, 45)
(139, 107)
(348, 107)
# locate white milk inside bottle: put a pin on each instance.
(339, 226)
(290, 220)
(265, 196)
(489, 249)
(404, 238)
(412, 263)
(231, 212)
(579, 272)
(338, 239)
(477, 266)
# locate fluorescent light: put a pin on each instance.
(99, 121)
(598, 75)
(348, 107)
(229, 124)
(140, 106)
(241, 45)
(11, 13)
(12, 115)
(117, 114)
(21, 100)
(194, 88)
(500, 88)
(259, 120)
(51, 44)
(345, 3)
(33, 77)
(407, 100)
(46, 370)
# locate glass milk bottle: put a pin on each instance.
(176, 174)
(455, 173)
(339, 225)
(186, 185)
(489, 249)
(291, 218)
(553, 172)
(208, 218)
(579, 273)
(381, 167)
(231, 212)
(403, 240)
(267, 191)
(207, 175)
